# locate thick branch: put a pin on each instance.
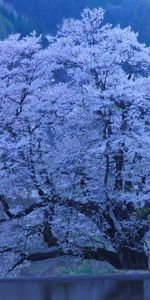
(87, 253)
(20, 214)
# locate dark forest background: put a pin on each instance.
(43, 15)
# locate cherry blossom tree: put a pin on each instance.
(74, 142)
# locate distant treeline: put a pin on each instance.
(45, 15)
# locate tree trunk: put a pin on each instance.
(132, 259)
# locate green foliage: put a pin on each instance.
(142, 212)
(67, 265)
(6, 27)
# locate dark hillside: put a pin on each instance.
(44, 15)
